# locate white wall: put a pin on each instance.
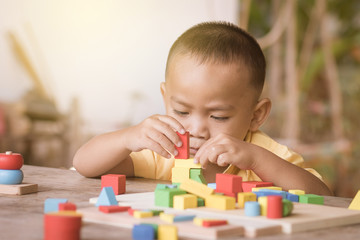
(102, 51)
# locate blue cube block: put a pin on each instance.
(143, 232)
(52, 204)
(292, 197)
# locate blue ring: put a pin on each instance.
(11, 176)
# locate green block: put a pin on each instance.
(287, 207)
(200, 202)
(196, 175)
(156, 212)
(164, 197)
(311, 198)
(161, 186)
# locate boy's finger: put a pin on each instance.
(214, 152)
(169, 132)
(156, 147)
(173, 123)
(162, 140)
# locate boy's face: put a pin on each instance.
(209, 99)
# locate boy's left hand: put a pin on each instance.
(224, 150)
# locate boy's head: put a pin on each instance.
(221, 42)
(214, 76)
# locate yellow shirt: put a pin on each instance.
(148, 164)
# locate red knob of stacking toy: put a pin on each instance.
(11, 161)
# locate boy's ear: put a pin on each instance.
(163, 89)
(261, 112)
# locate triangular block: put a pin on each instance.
(355, 203)
(106, 197)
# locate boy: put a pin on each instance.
(213, 81)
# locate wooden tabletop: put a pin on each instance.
(21, 217)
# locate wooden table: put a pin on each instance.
(21, 217)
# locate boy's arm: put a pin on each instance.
(109, 153)
(224, 150)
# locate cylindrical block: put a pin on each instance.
(11, 161)
(252, 209)
(274, 207)
(11, 176)
(62, 225)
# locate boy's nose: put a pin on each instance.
(199, 129)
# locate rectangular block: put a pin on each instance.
(266, 188)
(184, 150)
(185, 201)
(167, 232)
(113, 209)
(164, 197)
(116, 181)
(220, 202)
(18, 189)
(142, 214)
(249, 185)
(179, 174)
(311, 198)
(245, 197)
(196, 188)
(296, 191)
(186, 163)
(197, 175)
(228, 183)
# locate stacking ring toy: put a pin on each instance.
(11, 176)
(11, 161)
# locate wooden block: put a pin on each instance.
(197, 175)
(18, 189)
(263, 205)
(228, 183)
(292, 197)
(196, 188)
(247, 186)
(212, 223)
(274, 207)
(185, 201)
(67, 206)
(297, 192)
(167, 232)
(270, 192)
(142, 214)
(287, 207)
(268, 188)
(52, 204)
(186, 163)
(245, 197)
(179, 174)
(220, 202)
(167, 217)
(113, 209)
(355, 203)
(62, 225)
(184, 150)
(164, 197)
(143, 232)
(106, 197)
(116, 181)
(252, 209)
(311, 198)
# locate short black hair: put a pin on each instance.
(222, 42)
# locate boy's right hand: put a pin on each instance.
(157, 133)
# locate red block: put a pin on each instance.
(116, 181)
(61, 225)
(112, 209)
(131, 211)
(228, 183)
(248, 186)
(184, 151)
(68, 206)
(274, 207)
(212, 223)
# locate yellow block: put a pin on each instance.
(245, 197)
(220, 202)
(180, 174)
(140, 214)
(167, 232)
(196, 188)
(184, 201)
(296, 191)
(270, 188)
(166, 217)
(263, 205)
(355, 203)
(187, 163)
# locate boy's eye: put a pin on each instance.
(181, 113)
(220, 118)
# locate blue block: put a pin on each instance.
(182, 218)
(52, 204)
(106, 197)
(212, 185)
(270, 192)
(292, 197)
(143, 232)
(252, 209)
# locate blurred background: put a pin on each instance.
(73, 69)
